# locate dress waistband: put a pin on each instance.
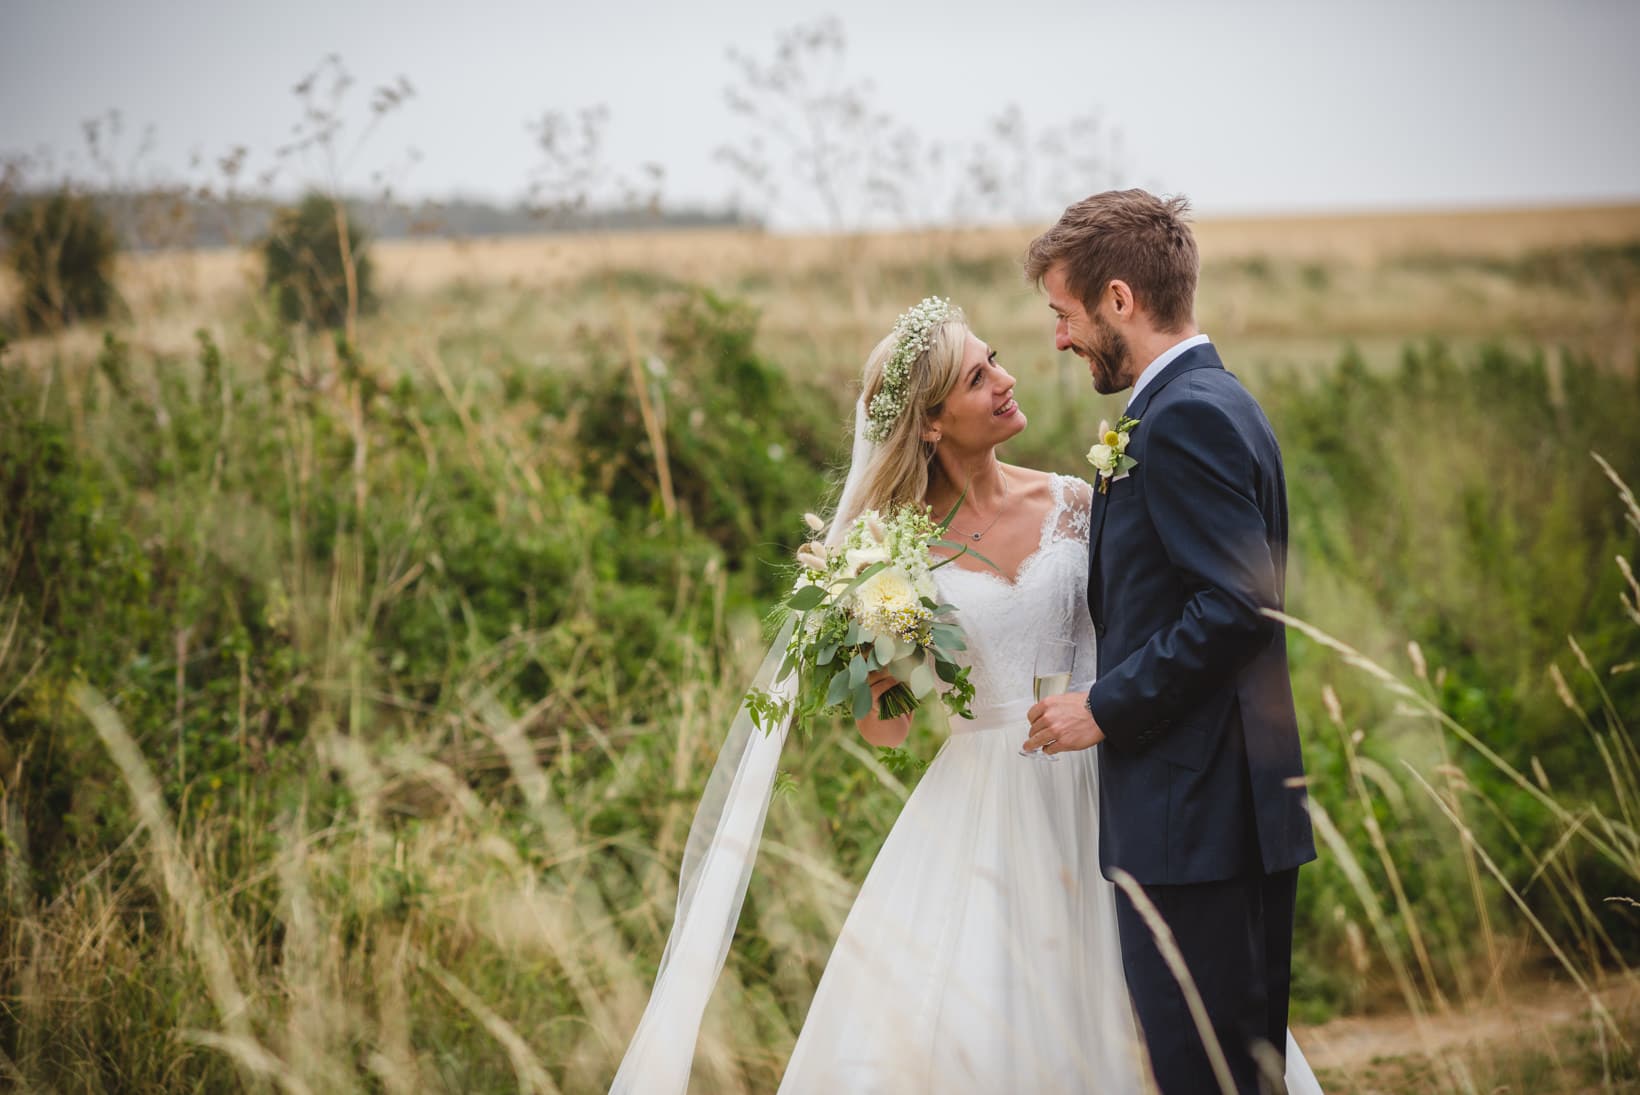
(1001, 716)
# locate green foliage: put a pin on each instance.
(1488, 542)
(313, 278)
(62, 248)
(422, 667)
(1453, 503)
(746, 443)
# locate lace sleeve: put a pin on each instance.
(1075, 514)
(1075, 509)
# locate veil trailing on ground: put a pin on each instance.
(720, 853)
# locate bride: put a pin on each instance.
(981, 954)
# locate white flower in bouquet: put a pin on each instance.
(869, 604)
(889, 603)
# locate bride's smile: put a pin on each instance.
(981, 411)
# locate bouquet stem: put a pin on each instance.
(895, 702)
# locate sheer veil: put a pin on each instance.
(852, 501)
(719, 855)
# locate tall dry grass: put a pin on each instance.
(409, 944)
(456, 887)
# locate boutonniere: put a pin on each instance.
(1109, 455)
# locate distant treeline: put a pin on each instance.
(164, 219)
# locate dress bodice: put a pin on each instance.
(1002, 621)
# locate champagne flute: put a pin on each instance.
(1055, 662)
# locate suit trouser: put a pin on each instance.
(1236, 937)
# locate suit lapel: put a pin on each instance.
(1197, 357)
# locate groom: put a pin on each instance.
(1201, 796)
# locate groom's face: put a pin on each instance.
(1090, 337)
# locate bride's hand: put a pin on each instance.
(884, 733)
(1062, 723)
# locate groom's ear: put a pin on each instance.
(1121, 298)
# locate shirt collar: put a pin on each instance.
(1167, 358)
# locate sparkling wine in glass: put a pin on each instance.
(1055, 662)
(1051, 684)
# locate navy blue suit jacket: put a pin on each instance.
(1200, 769)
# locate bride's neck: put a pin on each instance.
(980, 473)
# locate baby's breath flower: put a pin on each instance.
(912, 332)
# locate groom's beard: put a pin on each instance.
(1108, 359)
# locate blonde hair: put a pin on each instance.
(899, 470)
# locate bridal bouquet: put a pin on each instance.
(869, 603)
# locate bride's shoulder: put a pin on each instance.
(1031, 481)
(1066, 489)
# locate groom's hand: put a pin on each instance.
(1062, 723)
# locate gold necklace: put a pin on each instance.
(1001, 504)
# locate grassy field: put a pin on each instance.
(354, 698)
(1285, 290)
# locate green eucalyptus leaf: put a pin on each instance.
(887, 650)
(921, 682)
(806, 598)
(902, 666)
(839, 690)
(862, 701)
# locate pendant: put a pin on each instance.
(977, 535)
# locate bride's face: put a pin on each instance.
(980, 412)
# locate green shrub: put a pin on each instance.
(747, 442)
(62, 248)
(307, 268)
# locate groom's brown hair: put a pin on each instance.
(1130, 235)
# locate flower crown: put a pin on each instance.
(911, 339)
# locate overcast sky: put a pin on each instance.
(1246, 106)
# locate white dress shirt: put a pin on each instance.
(1162, 362)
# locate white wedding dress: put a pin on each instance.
(981, 955)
